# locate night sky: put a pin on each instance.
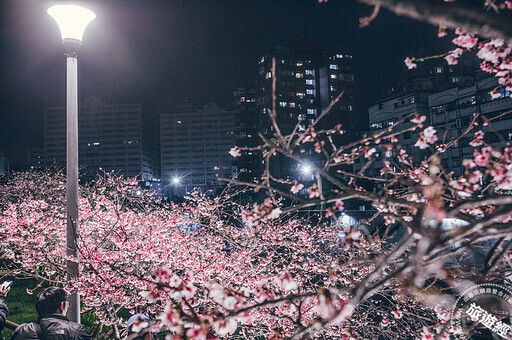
(165, 52)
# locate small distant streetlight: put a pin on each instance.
(72, 21)
(176, 180)
(306, 169)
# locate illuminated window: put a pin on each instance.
(282, 104)
(268, 75)
(375, 126)
(339, 56)
(332, 88)
(291, 104)
(300, 94)
(309, 81)
(309, 72)
(333, 76)
(333, 67)
(299, 63)
(302, 128)
(311, 111)
(309, 91)
(299, 75)
(301, 117)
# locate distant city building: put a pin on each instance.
(449, 111)
(434, 75)
(452, 110)
(386, 113)
(194, 145)
(247, 123)
(336, 75)
(307, 80)
(19, 157)
(114, 137)
(4, 164)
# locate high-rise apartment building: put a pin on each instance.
(247, 123)
(110, 138)
(307, 80)
(194, 145)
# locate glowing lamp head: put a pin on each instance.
(72, 20)
(176, 180)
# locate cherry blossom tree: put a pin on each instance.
(197, 267)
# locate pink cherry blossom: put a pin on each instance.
(225, 327)
(478, 139)
(410, 63)
(296, 187)
(453, 56)
(468, 163)
(369, 151)
(427, 137)
(287, 283)
(313, 191)
(476, 176)
(419, 120)
(339, 204)
(498, 174)
(464, 40)
(235, 152)
(480, 159)
(427, 334)
(398, 314)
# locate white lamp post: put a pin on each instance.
(72, 21)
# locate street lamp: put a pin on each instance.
(72, 21)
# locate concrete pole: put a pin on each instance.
(72, 21)
(72, 180)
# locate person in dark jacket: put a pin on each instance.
(3, 308)
(51, 307)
